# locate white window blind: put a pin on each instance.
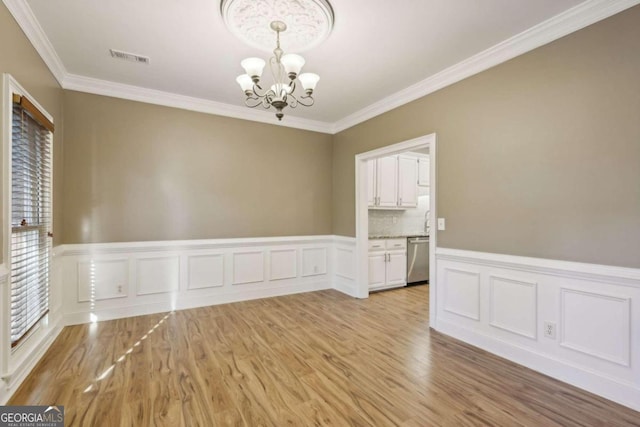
(30, 217)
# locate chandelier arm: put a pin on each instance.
(268, 96)
(306, 103)
(249, 104)
(292, 100)
(256, 92)
(293, 85)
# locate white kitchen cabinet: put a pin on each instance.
(387, 263)
(396, 269)
(387, 182)
(372, 197)
(377, 269)
(407, 179)
(392, 182)
(423, 171)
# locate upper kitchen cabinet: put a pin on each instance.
(407, 177)
(424, 168)
(392, 182)
(372, 196)
(387, 182)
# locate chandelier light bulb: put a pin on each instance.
(253, 67)
(292, 64)
(309, 81)
(245, 82)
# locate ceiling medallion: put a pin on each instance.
(309, 22)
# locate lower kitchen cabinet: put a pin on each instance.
(377, 270)
(387, 263)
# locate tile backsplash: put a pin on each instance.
(408, 222)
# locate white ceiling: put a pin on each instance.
(377, 47)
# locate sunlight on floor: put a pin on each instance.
(121, 359)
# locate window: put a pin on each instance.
(31, 138)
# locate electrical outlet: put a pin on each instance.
(441, 224)
(550, 330)
(315, 268)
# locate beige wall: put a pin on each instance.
(136, 172)
(20, 59)
(539, 156)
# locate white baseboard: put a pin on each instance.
(346, 286)
(503, 304)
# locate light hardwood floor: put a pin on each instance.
(319, 358)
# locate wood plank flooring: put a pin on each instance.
(315, 359)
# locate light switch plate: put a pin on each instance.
(441, 224)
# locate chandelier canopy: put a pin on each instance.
(255, 22)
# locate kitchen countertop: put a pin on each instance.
(400, 236)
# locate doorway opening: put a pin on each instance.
(427, 142)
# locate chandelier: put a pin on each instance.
(285, 71)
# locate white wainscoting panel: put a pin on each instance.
(157, 275)
(596, 324)
(104, 279)
(248, 267)
(514, 305)
(205, 271)
(283, 264)
(593, 307)
(314, 261)
(162, 276)
(344, 262)
(462, 293)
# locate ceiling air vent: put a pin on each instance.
(129, 56)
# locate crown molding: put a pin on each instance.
(167, 99)
(27, 21)
(574, 19)
(571, 20)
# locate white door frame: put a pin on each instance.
(362, 215)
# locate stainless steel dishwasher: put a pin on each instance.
(417, 260)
